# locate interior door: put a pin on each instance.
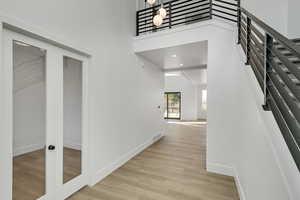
(45, 118)
(73, 143)
(34, 116)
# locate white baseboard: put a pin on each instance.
(104, 172)
(72, 145)
(220, 169)
(239, 185)
(227, 171)
(27, 149)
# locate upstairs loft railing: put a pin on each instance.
(274, 58)
(183, 12)
(275, 61)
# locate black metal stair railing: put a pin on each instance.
(275, 61)
(183, 12)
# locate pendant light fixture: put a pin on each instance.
(158, 20)
(162, 11)
(151, 2)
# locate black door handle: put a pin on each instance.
(51, 147)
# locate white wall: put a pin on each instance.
(201, 108)
(293, 19)
(283, 15)
(188, 95)
(124, 94)
(272, 12)
(241, 142)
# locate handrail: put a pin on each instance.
(275, 61)
(275, 34)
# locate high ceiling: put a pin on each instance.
(189, 60)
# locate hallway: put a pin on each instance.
(173, 168)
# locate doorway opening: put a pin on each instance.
(172, 105)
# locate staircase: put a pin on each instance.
(275, 61)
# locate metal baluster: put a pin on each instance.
(153, 14)
(248, 40)
(267, 69)
(210, 8)
(137, 24)
(239, 14)
(170, 14)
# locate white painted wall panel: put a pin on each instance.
(201, 106)
(293, 19)
(272, 12)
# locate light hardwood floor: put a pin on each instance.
(171, 169)
(29, 173)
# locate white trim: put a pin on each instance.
(33, 31)
(72, 145)
(104, 172)
(228, 171)
(27, 149)
(217, 22)
(220, 169)
(239, 186)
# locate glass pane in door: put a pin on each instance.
(166, 106)
(29, 121)
(174, 100)
(72, 151)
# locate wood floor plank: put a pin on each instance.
(174, 168)
(29, 172)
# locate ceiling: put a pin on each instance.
(189, 60)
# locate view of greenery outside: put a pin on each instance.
(172, 105)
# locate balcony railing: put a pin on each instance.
(183, 12)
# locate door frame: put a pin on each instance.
(54, 184)
(167, 93)
(82, 180)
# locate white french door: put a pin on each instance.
(46, 127)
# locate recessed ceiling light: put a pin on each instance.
(173, 74)
(181, 65)
(174, 56)
(21, 44)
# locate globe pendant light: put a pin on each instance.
(158, 20)
(162, 12)
(151, 2)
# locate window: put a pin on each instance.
(204, 99)
(172, 105)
